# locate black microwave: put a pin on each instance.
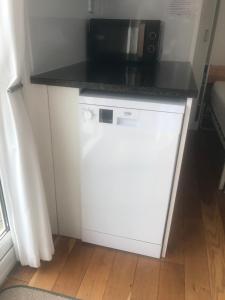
(115, 40)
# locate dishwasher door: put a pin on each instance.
(128, 158)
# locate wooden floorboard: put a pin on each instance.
(22, 273)
(74, 270)
(121, 277)
(215, 247)
(146, 279)
(212, 216)
(171, 282)
(194, 268)
(197, 283)
(94, 282)
(197, 280)
(46, 275)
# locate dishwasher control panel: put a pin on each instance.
(107, 115)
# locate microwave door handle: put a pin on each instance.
(134, 39)
(128, 39)
(141, 39)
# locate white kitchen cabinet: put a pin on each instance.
(36, 100)
(57, 121)
(63, 106)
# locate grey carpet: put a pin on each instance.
(28, 293)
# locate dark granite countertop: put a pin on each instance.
(163, 79)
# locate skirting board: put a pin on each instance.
(121, 243)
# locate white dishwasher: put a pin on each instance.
(128, 156)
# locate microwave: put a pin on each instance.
(114, 40)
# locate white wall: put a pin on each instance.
(218, 50)
(179, 31)
(57, 32)
(57, 28)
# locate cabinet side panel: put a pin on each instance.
(36, 100)
(177, 175)
(63, 103)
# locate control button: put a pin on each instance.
(151, 49)
(152, 36)
(88, 114)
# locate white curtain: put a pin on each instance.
(19, 166)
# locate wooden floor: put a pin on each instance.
(194, 267)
